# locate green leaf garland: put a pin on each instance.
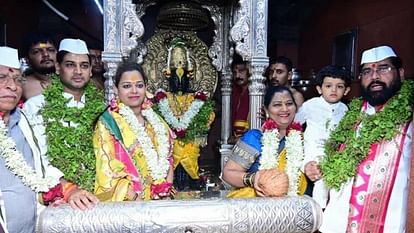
(70, 149)
(339, 166)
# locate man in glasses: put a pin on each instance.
(24, 171)
(16, 196)
(376, 144)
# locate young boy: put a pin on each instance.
(322, 114)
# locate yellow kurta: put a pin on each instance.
(112, 181)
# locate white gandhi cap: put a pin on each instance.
(377, 54)
(9, 57)
(76, 46)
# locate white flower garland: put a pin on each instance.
(294, 155)
(17, 165)
(270, 142)
(157, 162)
(185, 119)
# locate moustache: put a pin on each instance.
(377, 83)
(46, 60)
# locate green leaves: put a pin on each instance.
(70, 148)
(345, 150)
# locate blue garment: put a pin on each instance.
(253, 138)
(19, 200)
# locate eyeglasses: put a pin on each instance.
(381, 70)
(18, 80)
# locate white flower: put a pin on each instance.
(158, 163)
(185, 119)
(294, 155)
(294, 158)
(270, 140)
(17, 165)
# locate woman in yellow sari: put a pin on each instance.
(268, 162)
(133, 145)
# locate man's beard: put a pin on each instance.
(44, 70)
(376, 98)
(97, 70)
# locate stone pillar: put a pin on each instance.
(226, 89)
(111, 55)
(226, 85)
(250, 35)
(122, 28)
(257, 90)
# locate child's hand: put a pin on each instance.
(312, 171)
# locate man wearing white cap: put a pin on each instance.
(15, 133)
(15, 194)
(367, 164)
(23, 170)
(18, 150)
(62, 118)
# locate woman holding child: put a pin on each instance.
(268, 162)
(133, 145)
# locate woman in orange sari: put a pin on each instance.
(133, 145)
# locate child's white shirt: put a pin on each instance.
(321, 118)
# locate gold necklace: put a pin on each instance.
(178, 107)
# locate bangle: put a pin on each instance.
(245, 179)
(251, 179)
(248, 179)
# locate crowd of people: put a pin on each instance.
(60, 143)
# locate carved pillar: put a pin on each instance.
(226, 84)
(250, 35)
(138, 53)
(122, 28)
(259, 59)
(219, 53)
(111, 55)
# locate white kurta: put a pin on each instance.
(33, 106)
(321, 118)
(335, 217)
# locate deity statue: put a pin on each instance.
(179, 69)
(188, 113)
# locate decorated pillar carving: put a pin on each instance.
(215, 51)
(140, 50)
(250, 36)
(220, 54)
(120, 18)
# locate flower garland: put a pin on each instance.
(194, 122)
(158, 163)
(345, 149)
(70, 149)
(294, 151)
(17, 165)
